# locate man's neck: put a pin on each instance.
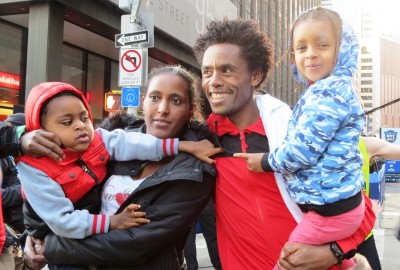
(246, 116)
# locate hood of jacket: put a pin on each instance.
(346, 63)
(40, 94)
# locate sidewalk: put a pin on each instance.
(386, 228)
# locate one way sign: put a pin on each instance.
(131, 38)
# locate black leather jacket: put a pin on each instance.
(172, 198)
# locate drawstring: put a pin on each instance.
(243, 142)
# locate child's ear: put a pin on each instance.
(292, 59)
(256, 77)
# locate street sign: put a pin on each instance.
(130, 67)
(392, 170)
(131, 38)
(130, 97)
(146, 24)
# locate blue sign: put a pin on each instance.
(130, 97)
(392, 171)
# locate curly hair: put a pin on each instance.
(255, 46)
(192, 80)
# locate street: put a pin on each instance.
(386, 228)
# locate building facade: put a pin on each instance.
(74, 41)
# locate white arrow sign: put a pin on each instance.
(131, 38)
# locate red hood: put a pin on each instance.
(40, 94)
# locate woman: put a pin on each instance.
(171, 192)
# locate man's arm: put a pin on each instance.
(381, 148)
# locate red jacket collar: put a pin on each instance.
(220, 125)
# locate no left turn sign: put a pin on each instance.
(130, 67)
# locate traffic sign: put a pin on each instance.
(130, 97)
(131, 38)
(130, 67)
(146, 24)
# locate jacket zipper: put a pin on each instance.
(87, 170)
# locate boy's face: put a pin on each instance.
(68, 118)
(314, 49)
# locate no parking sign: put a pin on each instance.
(130, 97)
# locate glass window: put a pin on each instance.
(114, 76)
(72, 67)
(95, 86)
(10, 68)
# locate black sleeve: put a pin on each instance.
(175, 207)
(9, 142)
(265, 164)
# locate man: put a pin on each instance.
(254, 213)
(371, 147)
(10, 145)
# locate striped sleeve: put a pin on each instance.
(170, 147)
(100, 224)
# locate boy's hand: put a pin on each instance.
(253, 161)
(203, 150)
(40, 142)
(129, 217)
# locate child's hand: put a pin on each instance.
(202, 150)
(128, 218)
(253, 161)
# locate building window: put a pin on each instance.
(95, 85)
(10, 67)
(367, 105)
(366, 90)
(366, 67)
(366, 97)
(366, 60)
(72, 67)
(366, 82)
(366, 75)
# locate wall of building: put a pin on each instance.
(74, 41)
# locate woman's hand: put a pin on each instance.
(33, 253)
(203, 150)
(38, 143)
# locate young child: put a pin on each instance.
(66, 195)
(319, 158)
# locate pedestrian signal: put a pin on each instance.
(112, 102)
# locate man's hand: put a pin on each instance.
(40, 143)
(297, 256)
(33, 254)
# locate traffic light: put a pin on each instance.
(112, 102)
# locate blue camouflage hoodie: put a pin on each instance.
(319, 157)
